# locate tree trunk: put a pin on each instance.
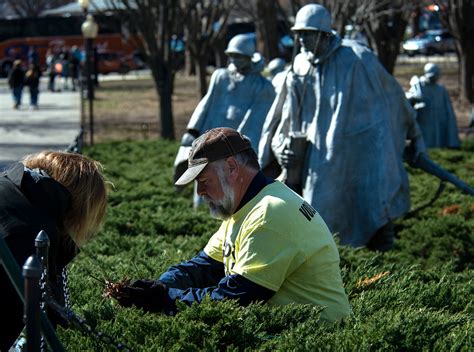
(202, 74)
(267, 29)
(219, 53)
(190, 64)
(164, 82)
(385, 40)
(466, 56)
(387, 52)
(415, 22)
(459, 17)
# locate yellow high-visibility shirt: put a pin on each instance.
(278, 241)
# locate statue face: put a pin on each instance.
(312, 41)
(431, 79)
(242, 63)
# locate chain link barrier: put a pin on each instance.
(66, 313)
(65, 288)
(79, 322)
(73, 319)
(61, 307)
(42, 251)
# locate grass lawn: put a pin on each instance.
(129, 109)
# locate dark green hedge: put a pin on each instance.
(418, 297)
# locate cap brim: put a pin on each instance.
(190, 174)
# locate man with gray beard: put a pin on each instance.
(272, 246)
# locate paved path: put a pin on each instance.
(53, 126)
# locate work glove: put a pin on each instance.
(150, 295)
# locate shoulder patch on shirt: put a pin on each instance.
(307, 210)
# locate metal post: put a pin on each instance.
(32, 274)
(90, 88)
(83, 83)
(83, 113)
(42, 252)
(14, 273)
(42, 248)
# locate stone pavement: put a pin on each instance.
(54, 125)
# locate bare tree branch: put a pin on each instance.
(152, 24)
(384, 23)
(32, 8)
(204, 23)
(458, 15)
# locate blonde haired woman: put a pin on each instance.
(62, 193)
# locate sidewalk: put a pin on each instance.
(53, 126)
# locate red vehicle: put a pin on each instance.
(20, 37)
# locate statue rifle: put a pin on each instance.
(424, 163)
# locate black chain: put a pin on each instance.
(65, 288)
(45, 293)
(107, 339)
(68, 314)
(81, 323)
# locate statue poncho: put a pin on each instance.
(235, 100)
(436, 118)
(356, 119)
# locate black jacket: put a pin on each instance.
(30, 201)
(32, 78)
(16, 77)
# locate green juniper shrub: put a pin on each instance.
(417, 297)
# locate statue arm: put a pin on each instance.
(269, 130)
(199, 115)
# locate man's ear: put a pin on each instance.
(234, 168)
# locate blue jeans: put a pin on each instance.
(34, 96)
(17, 92)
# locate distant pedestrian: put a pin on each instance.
(33, 57)
(16, 81)
(32, 80)
(74, 65)
(50, 63)
(64, 58)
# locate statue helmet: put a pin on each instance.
(431, 70)
(313, 17)
(243, 44)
